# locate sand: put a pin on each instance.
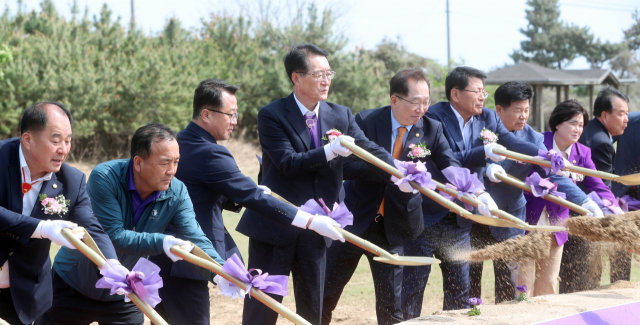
(623, 230)
(535, 245)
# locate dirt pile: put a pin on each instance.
(535, 245)
(623, 230)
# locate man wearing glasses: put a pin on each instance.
(214, 182)
(300, 163)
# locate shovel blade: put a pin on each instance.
(408, 260)
(629, 180)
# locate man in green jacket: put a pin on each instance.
(134, 200)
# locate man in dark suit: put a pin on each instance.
(610, 111)
(399, 219)
(34, 166)
(213, 179)
(299, 165)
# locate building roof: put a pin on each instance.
(538, 75)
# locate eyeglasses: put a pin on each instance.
(234, 116)
(483, 92)
(416, 105)
(320, 75)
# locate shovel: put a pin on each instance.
(629, 180)
(496, 222)
(381, 254)
(89, 248)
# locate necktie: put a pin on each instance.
(314, 129)
(26, 187)
(397, 152)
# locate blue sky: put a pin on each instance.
(483, 33)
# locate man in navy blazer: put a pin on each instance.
(391, 228)
(213, 179)
(33, 165)
(300, 163)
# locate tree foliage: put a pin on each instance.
(115, 80)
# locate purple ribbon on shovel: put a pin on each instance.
(557, 162)
(461, 180)
(414, 171)
(542, 186)
(144, 279)
(628, 203)
(605, 205)
(340, 213)
(275, 284)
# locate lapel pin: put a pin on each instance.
(417, 135)
(55, 186)
(574, 161)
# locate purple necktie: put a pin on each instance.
(314, 129)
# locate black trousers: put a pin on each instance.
(506, 272)
(71, 307)
(305, 258)
(581, 265)
(620, 265)
(342, 260)
(7, 309)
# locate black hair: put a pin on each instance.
(34, 118)
(296, 59)
(512, 91)
(604, 101)
(399, 83)
(145, 136)
(459, 78)
(209, 93)
(565, 111)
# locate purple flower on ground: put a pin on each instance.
(522, 288)
(475, 301)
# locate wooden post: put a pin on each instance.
(590, 101)
(539, 112)
(566, 92)
(558, 93)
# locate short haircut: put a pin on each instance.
(145, 136)
(34, 118)
(565, 111)
(459, 78)
(399, 84)
(209, 93)
(604, 101)
(296, 59)
(512, 91)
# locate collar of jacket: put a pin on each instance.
(124, 182)
(199, 131)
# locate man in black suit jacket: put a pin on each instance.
(299, 165)
(213, 179)
(610, 111)
(402, 218)
(34, 166)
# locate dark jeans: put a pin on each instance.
(506, 272)
(7, 309)
(71, 307)
(581, 265)
(441, 240)
(342, 260)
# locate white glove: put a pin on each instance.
(488, 152)
(593, 207)
(226, 289)
(489, 205)
(51, 229)
(326, 226)
(338, 149)
(404, 187)
(265, 189)
(170, 241)
(494, 169)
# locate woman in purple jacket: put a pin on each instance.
(566, 122)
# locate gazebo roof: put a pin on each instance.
(538, 75)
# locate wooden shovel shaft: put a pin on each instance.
(96, 258)
(256, 293)
(550, 197)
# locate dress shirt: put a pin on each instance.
(566, 153)
(394, 130)
(465, 128)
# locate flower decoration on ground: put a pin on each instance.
(275, 284)
(523, 293)
(416, 172)
(542, 186)
(331, 135)
(144, 279)
(340, 213)
(461, 180)
(475, 302)
(57, 205)
(557, 162)
(487, 136)
(418, 150)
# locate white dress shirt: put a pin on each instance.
(566, 153)
(464, 127)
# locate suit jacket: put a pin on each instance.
(474, 158)
(627, 159)
(30, 266)
(364, 190)
(295, 170)
(596, 137)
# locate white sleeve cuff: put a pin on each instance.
(301, 219)
(328, 152)
(36, 234)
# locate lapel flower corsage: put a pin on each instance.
(577, 177)
(56, 205)
(418, 150)
(487, 136)
(332, 135)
